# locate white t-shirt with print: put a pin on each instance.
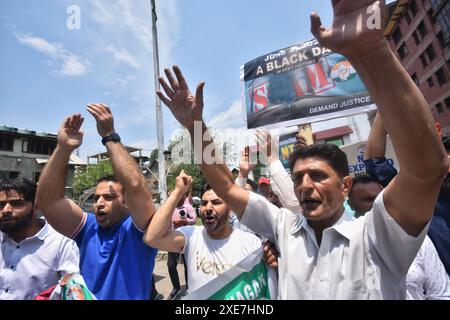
(207, 258)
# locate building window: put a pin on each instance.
(441, 39)
(408, 17)
(413, 8)
(447, 102)
(430, 52)
(9, 175)
(423, 60)
(441, 77)
(430, 82)
(443, 17)
(416, 38)
(38, 147)
(25, 145)
(6, 143)
(431, 15)
(13, 174)
(439, 107)
(397, 35)
(336, 141)
(422, 29)
(416, 80)
(403, 51)
(435, 4)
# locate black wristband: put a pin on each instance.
(111, 137)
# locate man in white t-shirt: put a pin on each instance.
(210, 249)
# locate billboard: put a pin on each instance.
(355, 155)
(301, 84)
(286, 143)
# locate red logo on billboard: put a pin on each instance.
(259, 97)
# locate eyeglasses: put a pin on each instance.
(16, 203)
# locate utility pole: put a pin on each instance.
(159, 118)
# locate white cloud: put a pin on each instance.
(134, 20)
(123, 56)
(72, 66)
(231, 118)
(70, 63)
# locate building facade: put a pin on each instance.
(419, 32)
(24, 153)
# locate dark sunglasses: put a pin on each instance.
(17, 203)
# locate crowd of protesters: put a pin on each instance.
(395, 244)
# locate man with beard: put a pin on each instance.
(323, 255)
(210, 249)
(33, 256)
(114, 261)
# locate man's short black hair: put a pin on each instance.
(363, 179)
(108, 178)
(330, 153)
(22, 186)
(205, 188)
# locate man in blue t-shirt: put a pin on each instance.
(114, 261)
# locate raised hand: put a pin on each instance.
(184, 106)
(267, 146)
(300, 142)
(183, 182)
(357, 27)
(69, 135)
(245, 165)
(104, 118)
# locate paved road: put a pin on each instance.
(162, 279)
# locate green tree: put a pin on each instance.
(194, 171)
(86, 178)
(153, 155)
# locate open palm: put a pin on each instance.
(357, 27)
(185, 107)
(69, 134)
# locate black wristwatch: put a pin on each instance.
(111, 137)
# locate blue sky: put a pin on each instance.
(49, 71)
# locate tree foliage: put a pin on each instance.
(153, 155)
(86, 178)
(194, 171)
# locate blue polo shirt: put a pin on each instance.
(115, 263)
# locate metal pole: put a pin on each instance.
(355, 126)
(159, 119)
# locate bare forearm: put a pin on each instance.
(124, 166)
(376, 145)
(139, 198)
(414, 137)
(161, 222)
(218, 174)
(53, 179)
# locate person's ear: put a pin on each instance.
(347, 185)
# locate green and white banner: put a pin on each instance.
(250, 279)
